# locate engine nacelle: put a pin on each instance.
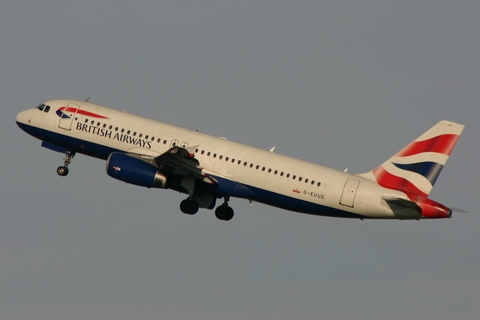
(132, 170)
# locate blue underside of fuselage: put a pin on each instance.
(227, 186)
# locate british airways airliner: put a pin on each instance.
(154, 154)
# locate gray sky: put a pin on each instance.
(341, 83)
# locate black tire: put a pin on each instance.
(220, 212)
(62, 171)
(229, 214)
(193, 207)
(189, 206)
(224, 213)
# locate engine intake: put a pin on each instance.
(132, 170)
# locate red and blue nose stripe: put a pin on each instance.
(62, 113)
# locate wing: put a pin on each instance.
(181, 161)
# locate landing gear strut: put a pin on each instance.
(224, 212)
(63, 170)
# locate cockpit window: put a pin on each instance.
(43, 107)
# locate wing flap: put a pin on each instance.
(181, 161)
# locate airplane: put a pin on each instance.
(153, 154)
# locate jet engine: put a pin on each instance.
(133, 170)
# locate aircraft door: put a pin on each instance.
(67, 114)
(349, 193)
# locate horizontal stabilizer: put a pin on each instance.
(404, 209)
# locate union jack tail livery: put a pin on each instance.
(415, 168)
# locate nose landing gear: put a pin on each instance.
(63, 170)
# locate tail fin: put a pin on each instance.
(415, 168)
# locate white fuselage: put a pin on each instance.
(274, 179)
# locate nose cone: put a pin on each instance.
(23, 117)
(24, 120)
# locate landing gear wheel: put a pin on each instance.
(224, 213)
(189, 206)
(62, 171)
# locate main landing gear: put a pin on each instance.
(63, 170)
(224, 212)
(189, 206)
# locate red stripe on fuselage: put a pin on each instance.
(82, 112)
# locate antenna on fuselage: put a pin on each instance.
(86, 100)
